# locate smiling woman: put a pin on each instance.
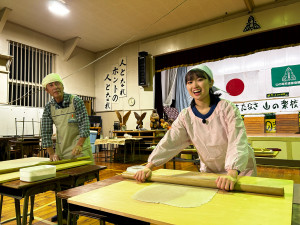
(216, 129)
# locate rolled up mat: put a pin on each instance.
(210, 182)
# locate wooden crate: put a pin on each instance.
(287, 122)
(254, 124)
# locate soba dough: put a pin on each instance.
(175, 195)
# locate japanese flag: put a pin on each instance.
(242, 86)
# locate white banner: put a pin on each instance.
(115, 83)
(270, 106)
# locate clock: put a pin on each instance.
(131, 101)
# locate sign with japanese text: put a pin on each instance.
(269, 106)
(274, 95)
(107, 88)
(270, 125)
(116, 83)
(285, 76)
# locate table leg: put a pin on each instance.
(133, 150)
(140, 150)
(71, 218)
(25, 210)
(18, 211)
(1, 203)
(58, 209)
(125, 152)
(31, 218)
(289, 151)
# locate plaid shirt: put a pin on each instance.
(80, 112)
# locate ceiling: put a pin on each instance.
(104, 24)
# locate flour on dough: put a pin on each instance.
(175, 195)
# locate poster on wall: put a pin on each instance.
(285, 76)
(269, 106)
(115, 83)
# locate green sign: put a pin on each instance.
(285, 76)
(272, 95)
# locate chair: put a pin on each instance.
(24, 145)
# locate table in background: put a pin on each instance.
(287, 138)
(4, 147)
(26, 145)
(121, 141)
(150, 137)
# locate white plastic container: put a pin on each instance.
(134, 169)
(35, 173)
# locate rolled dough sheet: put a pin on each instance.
(175, 195)
(18, 163)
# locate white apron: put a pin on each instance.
(67, 133)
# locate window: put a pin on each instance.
(29, 67)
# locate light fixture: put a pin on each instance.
(58, 7)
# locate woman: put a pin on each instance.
(214, 126)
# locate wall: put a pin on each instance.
(198, 36)
(89, 81)
(144, 99)
(81, 82)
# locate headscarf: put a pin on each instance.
(207, 70)
(52, 77)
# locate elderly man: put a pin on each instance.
(70, 117)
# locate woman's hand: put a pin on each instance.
(227, 182)
(143, 174)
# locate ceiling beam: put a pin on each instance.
(249, 4)
(69, 47)
(3, 17)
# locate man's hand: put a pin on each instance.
(227, 182)
(143, 174)
(77, 150)
(54, 157)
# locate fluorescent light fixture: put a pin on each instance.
(58, 7)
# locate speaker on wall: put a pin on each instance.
(143, 69)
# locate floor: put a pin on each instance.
(45, 206)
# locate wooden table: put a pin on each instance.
(122, 141)
(25, 143)
(114, 203)
(89, 212)
(18, 189)
(64, 179)
(79, 175)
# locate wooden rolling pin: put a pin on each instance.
(210, 182)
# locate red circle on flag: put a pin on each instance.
(235, 87)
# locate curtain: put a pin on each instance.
(168, 86)
(158, 95)
(274, 39)
(183, 98)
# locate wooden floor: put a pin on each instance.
(45, 208)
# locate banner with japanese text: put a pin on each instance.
(269, 106)
(115, 83)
